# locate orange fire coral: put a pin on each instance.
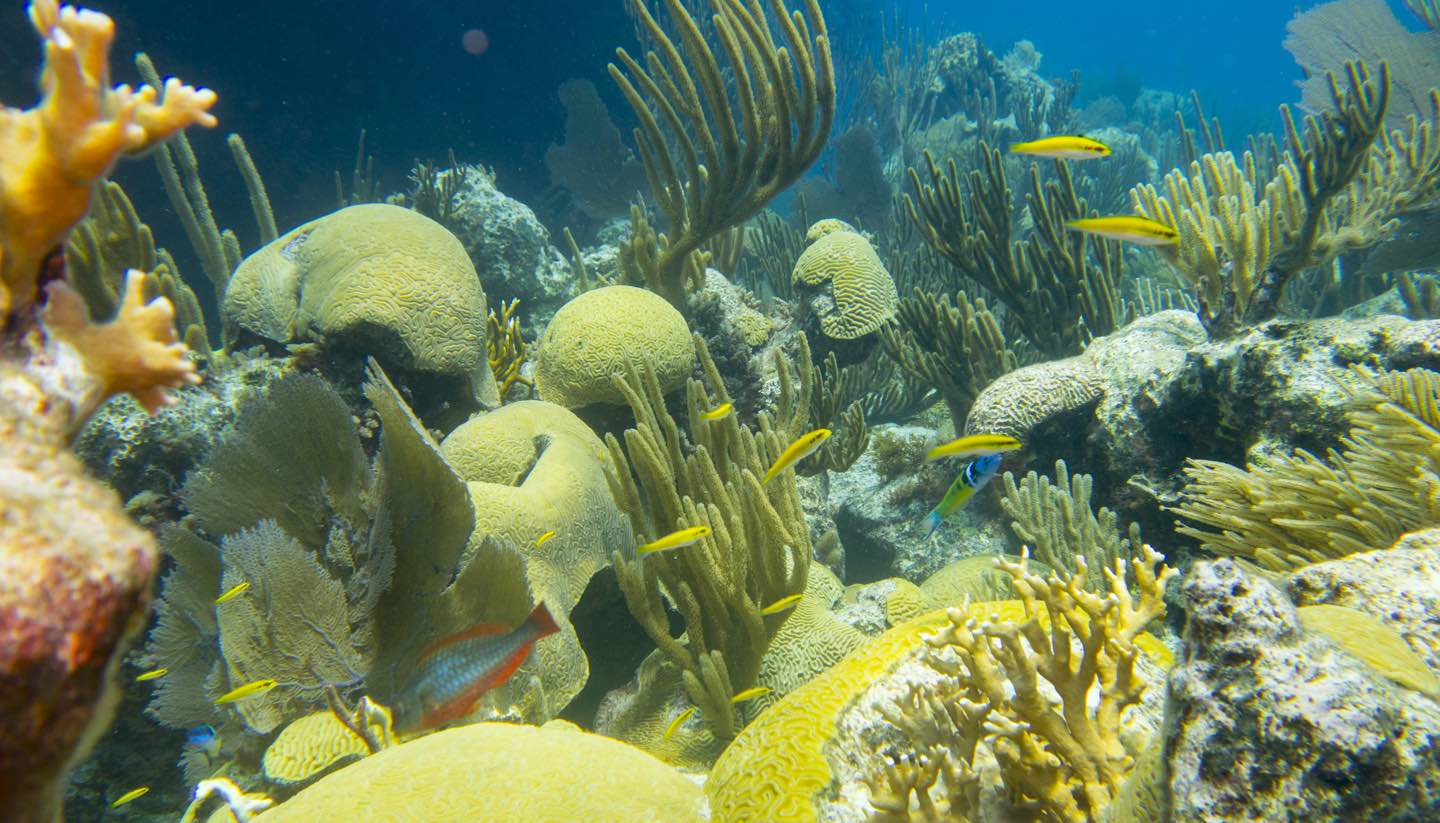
(50, 158)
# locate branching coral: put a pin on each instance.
(505, 347)
(1057, 525)
(1063, 763)
(1061, 287)
(1298, 508)
(1336, 190)
(715, 157)
(758, 549)
(958, 348)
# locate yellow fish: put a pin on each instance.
(803, 447)
(1063, 147)
(975, 445)
(153, 674)
(678, 722)
(782, 604)
(674, 540)
(133, 794)
(248, 690)
(1141, 230)
(233, 592)
(540, 541)
(720, 412)
(750, 694)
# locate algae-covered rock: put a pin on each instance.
(1271, 721)
(374, 280)
(499, 771)
(599, 334)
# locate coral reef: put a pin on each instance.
(498, 771)
(601, 175)
(1055, 523)
(598, 335)
(373, 280)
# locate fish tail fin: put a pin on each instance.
(934, 519)
(541, 619)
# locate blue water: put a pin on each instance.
(299, 79)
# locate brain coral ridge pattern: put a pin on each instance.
(863, 290)
(364, 268)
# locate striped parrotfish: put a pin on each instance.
(972, 479)
(457, 670)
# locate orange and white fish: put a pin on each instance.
(1139, 230)
(455, 672)
(1063, 147)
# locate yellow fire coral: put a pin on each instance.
(51, 155)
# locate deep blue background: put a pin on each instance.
(298, 79)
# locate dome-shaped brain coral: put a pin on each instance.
(389, 281)
(312, 745)
(862, 291)
(532, 468)
(594, 337)
(499, 771)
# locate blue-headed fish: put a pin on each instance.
(205, 739)
(972, 479)
(456, 671)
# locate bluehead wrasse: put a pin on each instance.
(720, 412)
(1140, 230)
(133, 794)
(975, 445)
(456, 671)
(750, 694)
(803, 447)
(233, 592)
(782, 604)
(248, 690)
(153, 674)
(1063, 147)
(678, 722)
(674, 540)
(540, 541)
(205, 739)
(971, 479)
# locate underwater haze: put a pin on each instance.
(749, 411)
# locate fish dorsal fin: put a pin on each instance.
(477, 630)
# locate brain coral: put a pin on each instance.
(311, 746)
(386, 280)
(1019, 401)
(534, 467)
(500, 771)
(595, 336)
(863, 293)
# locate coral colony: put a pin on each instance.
(405, 512)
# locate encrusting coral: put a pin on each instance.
(715, 157)
(1295, 509)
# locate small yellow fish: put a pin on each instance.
(540, 541)
(133, 794)
(674, 540)
(975, 445)
(1140, 230)
(803, 447)
(782, 604)
(233, 592)
(1063, 147)
(750, 694)
(678, 722)
(153, 674)
(247, 690)
(720, 412)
